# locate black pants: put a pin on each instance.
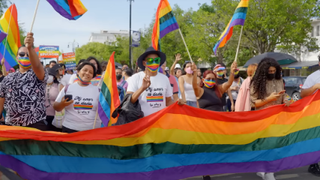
(51, 127)
(39, 125)
(67, 130)
(229, 104)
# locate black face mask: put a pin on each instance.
(119, 76)
(271, 76)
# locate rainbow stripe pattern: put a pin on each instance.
(95, 81)
(9, 47)
(154, 98)
(109, 97)
(24, 62)
(153, 67)
(238, 18)
(165, 22)
(70, 9)
(82, 107)
(209, 83)
(175, 143)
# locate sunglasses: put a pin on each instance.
(23, 54)
(153, 60)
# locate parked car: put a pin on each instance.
(293, 85)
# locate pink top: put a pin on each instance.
(243, 99)
(53, 93)
(125, 86)
(174, 84)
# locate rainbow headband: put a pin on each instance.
(24, 62)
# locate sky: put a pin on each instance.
(52, 29)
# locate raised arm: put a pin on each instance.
(178, 58)
(4, 71)
(196, 88)
(35, 62)
(225, 86)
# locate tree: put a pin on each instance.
(98, 50)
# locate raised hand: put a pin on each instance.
(234, 66)
(178, 57)
(2, 61)
(146, 80)
(28, 41)
(194, 67)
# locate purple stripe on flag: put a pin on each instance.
(167, 30)
(181, 172)
(104, 118)
(2, 36)
(60, 9)
(233, 23)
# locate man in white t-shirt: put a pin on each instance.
(151, 88)
(310, 86)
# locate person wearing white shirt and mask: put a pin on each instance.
(151, 88)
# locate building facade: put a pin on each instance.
(108, 37)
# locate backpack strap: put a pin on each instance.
(123, 83)
(116, 111)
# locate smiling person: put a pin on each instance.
(22, 93)
(80, 101)
(151, 88)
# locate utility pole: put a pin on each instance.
(130, 39)
(74, 44)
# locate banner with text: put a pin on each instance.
(48, 51)
(136, 38)
(69, 59)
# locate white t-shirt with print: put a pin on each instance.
(154, 98)
(312, 80)
(81, 114)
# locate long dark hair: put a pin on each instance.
(184, 66)
(99, 70)
(259, 80)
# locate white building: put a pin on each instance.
(309, 54)
(108, 37)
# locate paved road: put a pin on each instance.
(294, 174)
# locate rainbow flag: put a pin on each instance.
(175, 143)
(238, 18)
(165, 22)
(70, 9)
(109, 97)
(9, 47)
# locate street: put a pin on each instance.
(293, 174)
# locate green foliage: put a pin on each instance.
(98, 50)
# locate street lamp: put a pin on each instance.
(74, 44)
(130, 39)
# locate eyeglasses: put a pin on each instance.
(153, 60)
(23, 54)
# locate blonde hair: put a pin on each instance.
(251, 69)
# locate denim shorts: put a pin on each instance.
(192, 103)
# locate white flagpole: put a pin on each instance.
(95, 120)
(185, 45)
(236, 58)
(34, 15)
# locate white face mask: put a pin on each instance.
(50, 79)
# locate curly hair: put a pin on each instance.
(259, 80)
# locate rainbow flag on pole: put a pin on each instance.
(70, 9)
(9, 46)
(165, 22)
(109, 97)
(238, 18)
(175, 143)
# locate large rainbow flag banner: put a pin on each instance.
(109, 97)
(165, 22)
(9, 46)
(175, 143)
(70, 9)
(238, 18)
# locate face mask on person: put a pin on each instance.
(271, 76)
(24, 62)
(153, 64)
(119, 76)
(188, 70)
(209, 83)
(50, 79)
(220, 74)
(83, 82)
